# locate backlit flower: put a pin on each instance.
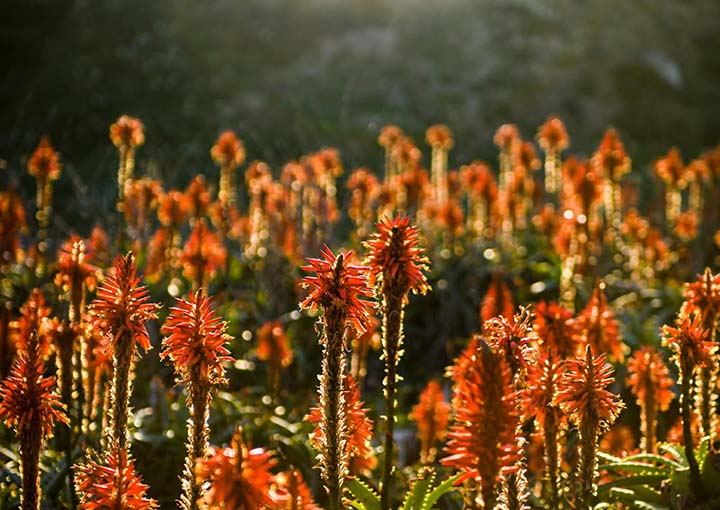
(610, 157)
(650, 377)
(240, 477)
(290, 492)
(123, 305)
(127, 132)
(690, 339)
(44, 163)
(512, 336)
(703, 297)
(195, 340)
(228, 150)
(596, 325)
(582, 390)
(671, 169)
(432, 414)
(552, 135)
(111, 483)
(555, 329)
(12, 222)
(395, 257)
(274, 348)
(498, 300)
(203, 255)
(482, 441)
(338, 284)
(439, 136)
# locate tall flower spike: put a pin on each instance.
(512, 336)
(583, 397)
(537, 402)
(596, 325)
(497, 301)
(33, 320)
(482, 441)
(432, 414)
(651, 384)
(29, 405)
(127, 133)
(361, 459)
(228, 153)
(112, 484)
(121, 310)
(240, 477)
(555, 329)
(692, 351)
(45, 166)
(203, 255)
(195, 344)
(75, 274)
(339, 288)
(397, 266)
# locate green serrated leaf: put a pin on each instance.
(628, 481)
(365, 496)
(635, 467)
(420, 490)
(444, 488)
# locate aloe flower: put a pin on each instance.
(583, 396)
(397, 267)
(112, 483)
(195, 344)
(29, 404)
(126, 133)
(339, 289)
(121, 310)
(432, 415)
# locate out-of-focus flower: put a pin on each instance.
(389, 136)
(228, 150)
(198, 197)
(112, 483)
(274, 348)
(506, 137)
(359, 429)
(596, 325)
(240, 477)
(174, 209)
(432, 414)
(127, 132)
(498, 300)
(555, 329)
(686, 225)
(195, 341)
(650, 382)
(75, 274)
(440, 136)
(44, 163)
(482, 441)
(610, 157)
(34, 314)
(203, 255)
(619, 441)
(552, 135)
(12, 223)
(290, 492)
(671, 169)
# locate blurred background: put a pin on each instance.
(292, 77)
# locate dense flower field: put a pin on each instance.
(543, 335)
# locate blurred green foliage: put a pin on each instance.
(291, 77)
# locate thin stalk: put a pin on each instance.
(696, 483)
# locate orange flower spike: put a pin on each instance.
(195, 341)
(611, 157)
(691, 341)
(127, 132)
(120, 311)
(240, 477)
(432, 414)
(583, 396)
(174, 209)
(123, 305)
(337, 285)
(537, 402)
(195, 344)
(506, 137)
(671, 169)
(13, 220)
(482, 441)
(650, 382)
(395, 257)
(44, 163)
(203, 255)
(112, 484)
(498, 300)
(703, 297)
(198, 197)
(29, 405)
